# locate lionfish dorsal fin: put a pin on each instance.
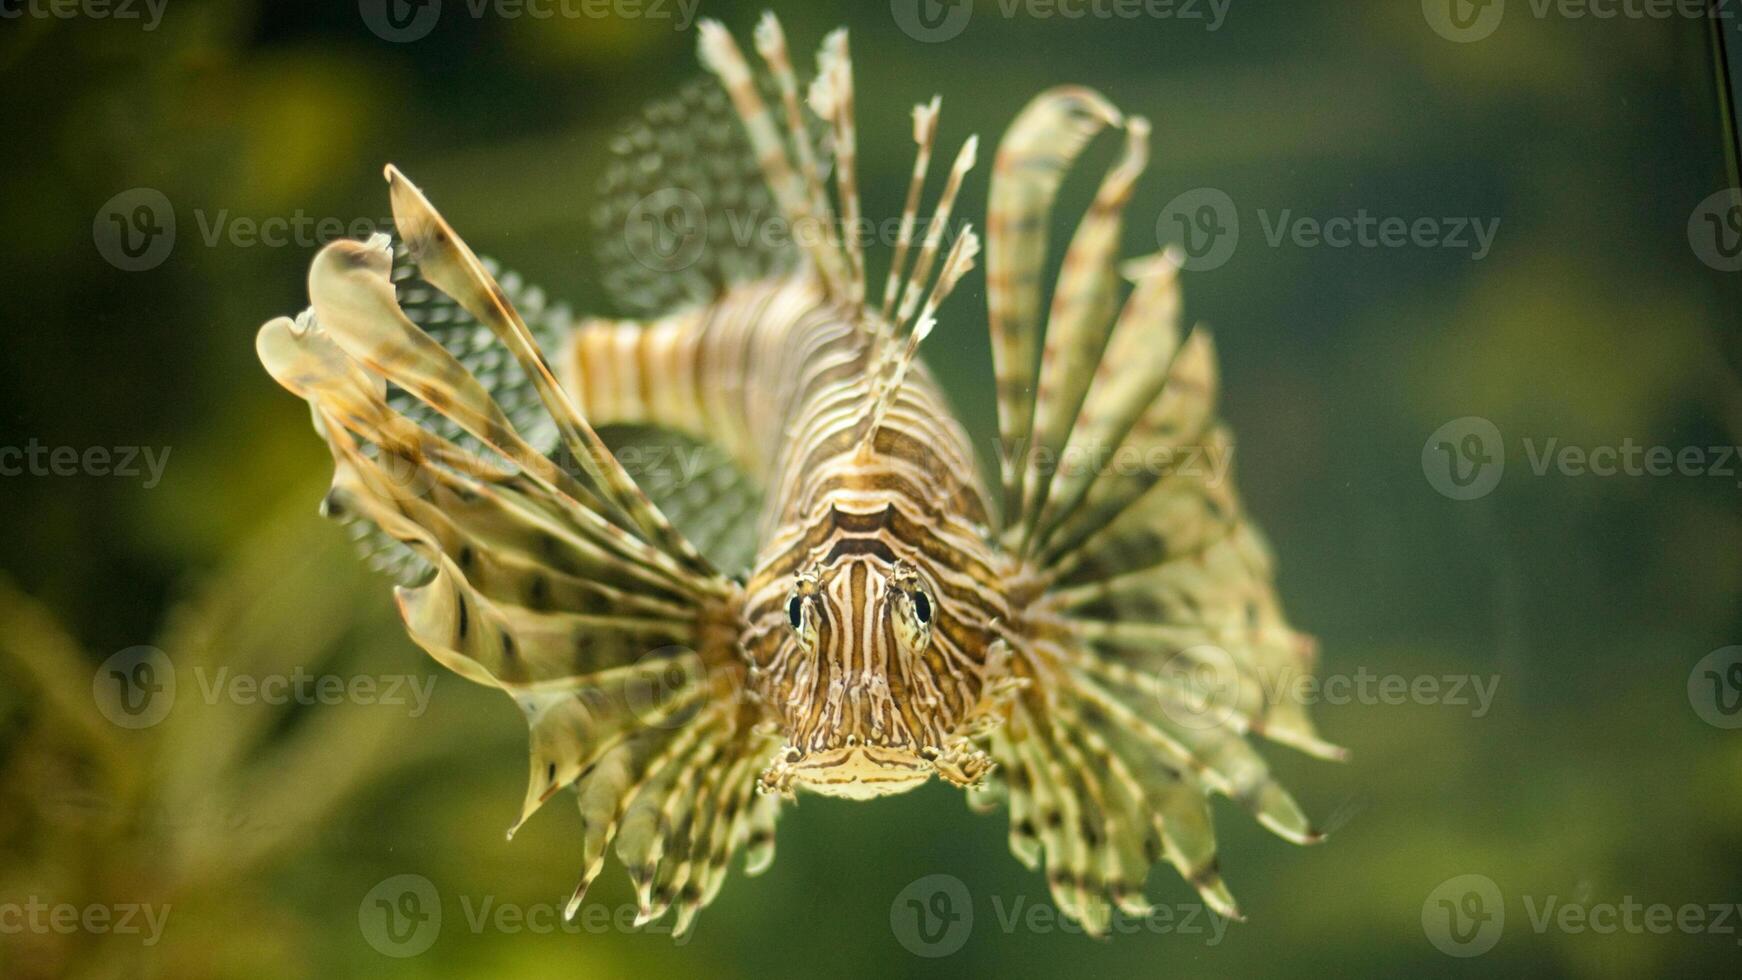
(886, 385)
(771, 45)
(831, 97)
(1085, 300)
(887, 377)
(796, 193)
(788, 159)
(925, 132)
(1034, 156)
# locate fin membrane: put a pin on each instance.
(683, 210)
(705, 493)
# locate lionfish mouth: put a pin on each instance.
(859, 772)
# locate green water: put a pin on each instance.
(1522, 677)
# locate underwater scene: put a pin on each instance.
(1105, 488)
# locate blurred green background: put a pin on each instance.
(1591, 779)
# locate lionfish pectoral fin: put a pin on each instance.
(562, 584)
(1032, 160)
(1155, 643)
(1106, 775)
(684, 211)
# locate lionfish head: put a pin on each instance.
(869, 679)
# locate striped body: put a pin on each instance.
(776, 374)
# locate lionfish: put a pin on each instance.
(837, 603)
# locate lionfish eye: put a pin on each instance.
(795, 611)
(922, 607)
